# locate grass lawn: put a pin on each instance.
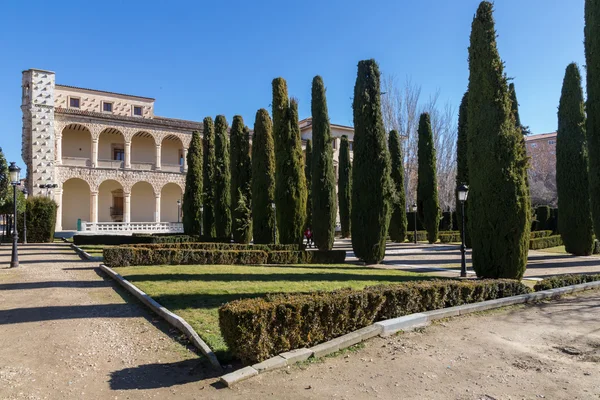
(195, 292)
(93, 250)
(559, 250)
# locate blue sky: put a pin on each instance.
(203, 58)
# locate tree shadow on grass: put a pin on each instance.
(154, 376)
(54, 284)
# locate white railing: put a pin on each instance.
(131, 227)
(110, 163)
(142, 166)
(172, 168)
(76, 161)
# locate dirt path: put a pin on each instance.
(68, 333)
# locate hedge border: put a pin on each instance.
(545, 242)
(408, 322)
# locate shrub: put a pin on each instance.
(307, 257)
(220, 246)
(110, 240)
(564, 280)
(540, 234)
(222, 179)
(345, 186)
(208, 178)
(498, 188)
(450, 237)
(308, 156)
(462, 167)
(543, 218)
(410, 218)
(447, 222)
(41, 220)
(256, 329)
(428, 205)
(421, 236)
(192, 197)
(371, 189)
(126, 256)
(241, 174)
(398, 221)
(545, 242)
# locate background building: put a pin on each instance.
(541, 149)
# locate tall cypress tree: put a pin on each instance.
(308, 175)
(428, 205)
(240, 166)
(192, 197)
(208, 175)
(575, 224)
(222, 180)
(290, 182)
(371, 190)
(499, 202)
(398, 221)
(592, 58)
(323, 185)
(515, 109)
(263, 178)
(462, 167)
(4, 178)
(345, 186)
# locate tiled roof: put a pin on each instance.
(306, 122)
(104, 91)
(540, 136)
(158, 121)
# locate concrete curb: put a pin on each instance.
(392, 326)
(84, 254)
(167, 315)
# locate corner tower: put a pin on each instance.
(38, 140)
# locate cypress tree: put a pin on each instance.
(572, 182)
(222, 180)
(263, 178)
(428, 205)
(515, 109)
(323, 185)
(398, 221)
(192, 197)
(592, 58)
(499, 202)
(462, 168)
(345, 186)
(240, 166)
(208, 175)
(4, 179)
(290, 182)
(308, 175)
(371, 189)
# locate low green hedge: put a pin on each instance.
(221, 246)
(307, 257)
(450, 237)
(539, 234)
(256, 329)
(126, 256)
(564, 280)
(545, 242)
(421, 236)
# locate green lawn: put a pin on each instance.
(93, 250)
(195, 292)
(559, 250)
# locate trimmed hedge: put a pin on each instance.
(564, 280)
(421, 236)
(126, 256)
(307, 257)
(450, 237)
(545, 242)
(540, 234)
(256, 329)
(221, 246)
(41, 220)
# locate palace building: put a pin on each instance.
(110, 164)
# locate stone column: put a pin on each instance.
(126, 207)
(157, 208)
(58, 199)
(128, 154)
(158, 159)
(94, 207)
(58, 150)
(94, 153)
(185, 159)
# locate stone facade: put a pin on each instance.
(81, 144)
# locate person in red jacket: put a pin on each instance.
(308, 236)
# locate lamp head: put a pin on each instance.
(14, 172)
(463, 192)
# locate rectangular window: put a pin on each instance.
(118, 154)
(351, 146)
(181, 158)
(533, 145)
(334, 143)
(74, 102)
(137, 111)
(551, 141)
(107, 107)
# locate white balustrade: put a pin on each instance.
(142, 166)
(76, 161)
(110, 164)
(172, 167)
(131, 227)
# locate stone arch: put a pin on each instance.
(75, 144)
(143, 202)
(170, 193)
(111, 145)
(111, 203)
(75, 203)
(172, 153)
(143, 150)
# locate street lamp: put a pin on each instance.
(201, 217)
(274, 222)
(26, 194)
(463, 193)
(178, 209)
(14, 172)
(414, 210)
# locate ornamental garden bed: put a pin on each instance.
(195, 292)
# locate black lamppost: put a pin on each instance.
(26, 194)
(14, 172)
(463, 193)
(414, 210)
(275, 222)
(202, 215)
(178, 209)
